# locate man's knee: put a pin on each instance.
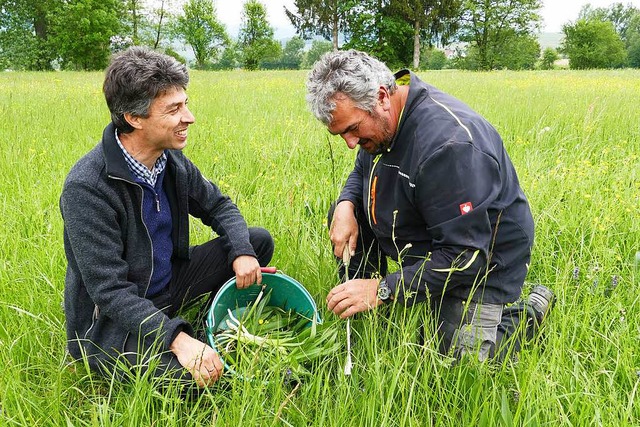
(478, 337)
(468, 329)
(262, 243)
(141, 358)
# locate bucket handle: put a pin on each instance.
(268, 270)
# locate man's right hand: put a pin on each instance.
(344, 228)
(198, 358)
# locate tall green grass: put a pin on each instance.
(574, 138)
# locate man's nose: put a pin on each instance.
(188, 117)
(351, 140)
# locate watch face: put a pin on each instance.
(383, 291)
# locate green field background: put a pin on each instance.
(574, 138)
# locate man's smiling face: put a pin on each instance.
(168, 120)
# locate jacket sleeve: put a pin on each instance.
(93, 239)
(455, 187)
(352, 189)
(217, 211)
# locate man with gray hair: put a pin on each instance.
(126, 207)
(433, 188)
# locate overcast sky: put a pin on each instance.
(555, 13)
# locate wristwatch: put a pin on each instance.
(384, 293)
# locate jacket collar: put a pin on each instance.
(113, 158)
(416, 89)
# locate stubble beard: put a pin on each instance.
(386, 138)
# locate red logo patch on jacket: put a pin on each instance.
(465, 208)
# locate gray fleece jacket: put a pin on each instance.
(109, 252)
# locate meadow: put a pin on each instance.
(574, 138)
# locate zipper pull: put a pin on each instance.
(157, 203)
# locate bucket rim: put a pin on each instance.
(209, 321)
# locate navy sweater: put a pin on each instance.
(156, 214)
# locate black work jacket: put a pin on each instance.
(446, 196)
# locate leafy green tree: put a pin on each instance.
(315, 52)
(326, 18)
(4, 61)
(293, 53)
(520, 53)
(134, 19)
(256, 42)
(633, 52)
(466, 59)
(81, 31)
(588, 12)
(431, 20)
(160, 15)
(148, 22)
(199, 28)
(169, 51)
(549, 57)
(490, 25)
(375, 28)
(625, 19)
(593, 44)
(618, 14)
(24, 34)
(633, 41)
(229, 59)
(274, 59)
(433, 59)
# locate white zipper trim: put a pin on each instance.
(126, 337)
(94, 318)
(454, 116)
(143, 223)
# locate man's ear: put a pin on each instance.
(134, 121)
(383, 98)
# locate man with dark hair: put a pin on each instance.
(126, 207)
(433, 188)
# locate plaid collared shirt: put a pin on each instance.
(139, 170)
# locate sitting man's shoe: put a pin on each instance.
(541, 299)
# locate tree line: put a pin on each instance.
(419, 34)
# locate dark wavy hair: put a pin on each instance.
(135, 77)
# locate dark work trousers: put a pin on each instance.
(463, 328)
(204, 273)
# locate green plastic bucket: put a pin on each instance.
(286, 293)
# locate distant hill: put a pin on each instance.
(550, 40)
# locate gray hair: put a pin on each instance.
(352, 73)
(135, 78)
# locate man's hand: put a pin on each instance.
(247, 271)
(353, 296)
(344, 228)
(198, 358)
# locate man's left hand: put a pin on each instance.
(247, 271)
(198, 358)
(353, 296)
